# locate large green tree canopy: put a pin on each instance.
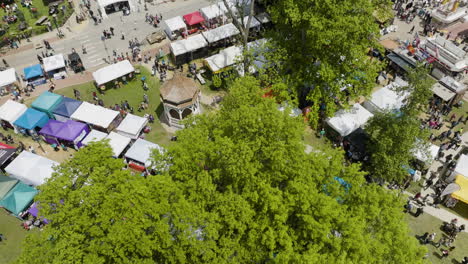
(236, 187)
(322, 46)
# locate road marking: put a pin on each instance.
(93, 56)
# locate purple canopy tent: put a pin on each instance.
(50, 130)
(73, 132)
(34, 211)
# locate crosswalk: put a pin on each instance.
(94, 55)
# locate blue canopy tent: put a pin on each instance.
(33, 74)
(31, 119)
(18, 198)
(65, 109)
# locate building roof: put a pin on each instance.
(179, 89)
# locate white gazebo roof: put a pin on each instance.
(118, 143)
(253, 22)
(141, 151)
(11, 110)
(224, 58)
(220, 33)
(131, 126)
(112, 72)
(346, 122)
(93, 136)
(462, 165)
(190, 44)
(213, 11)
(175, 23)
(31, 168)
(7, 77)
(53, 62)
(95, 115)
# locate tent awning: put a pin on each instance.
(253, 22)
(71, 130)
(18, 198)
(347, 121)
(462, 165)
(51, 128)
(66, 107)
(10, 111)
(118, 143)
(95, 115)
(224, 58)
(53, 62)
(213, 11)
(46, 101)
(462, 194)
(175, 23)
(141, 151)
(132, 126)
(220, 33)
(93, 136)
(32, 119)
(7, 77)
(387, 98)
(30, 168)
(112, 72)
(442, 92)
(6, 184)
(193, 18)
(33, 71)
(190, 44)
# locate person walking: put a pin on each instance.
(419, 212)
(412, 29)
(111, 29)
(145, 98)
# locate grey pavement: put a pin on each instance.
(89, 35)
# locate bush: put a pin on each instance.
(217, 81)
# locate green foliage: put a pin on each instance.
(217, 82)
(392, 139)
(324, 45)
(246, 167)
(20, 15)
(420, 90)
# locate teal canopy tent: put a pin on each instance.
(18, 198)
(6, 184)
(47, 102)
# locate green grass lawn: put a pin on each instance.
(14, 234)
(427, 223)
(31, 18)
(133, 93)
(310, 138)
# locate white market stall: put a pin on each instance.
(186, 50)
(118, 143)
(462, 166)
(111, 6)
(214, 14)
(220, 33)
(97, 116)
(239, 7)
(7, 80)
(93, 136)
(174, 26)
(254, 23)
(30, 168)
(387, 98)
(112, 72)
(54, 66)
(263, 18)
(138, 155)
(10, 111)
(131, 126)
(426, 157)
(347, 121)
(225, 58)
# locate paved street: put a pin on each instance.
(89, 35)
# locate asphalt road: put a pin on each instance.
(89, 35)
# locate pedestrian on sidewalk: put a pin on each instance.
(145, 98)
(123, 35)
(412, 29)
(111, 29)
(448, 158)
(419, 212)
(5, 62)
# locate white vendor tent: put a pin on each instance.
(118, 143)
(443, 92)
(141, 151)
(347, 121)
(95, 115)
(132, 126)
(93, 136)
(462, 166)
(112, 72)
(104, 3)
(224, 58)
(213, 11)
(11, 110)
(235, 5)
(387, 98)
(174, 24)
(31, 168)
(253, 22)
(220, 33)
(264, 18)
(428, 156)
(187, 45)
(7, 77)
(53, 63)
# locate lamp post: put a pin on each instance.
(54, 16)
